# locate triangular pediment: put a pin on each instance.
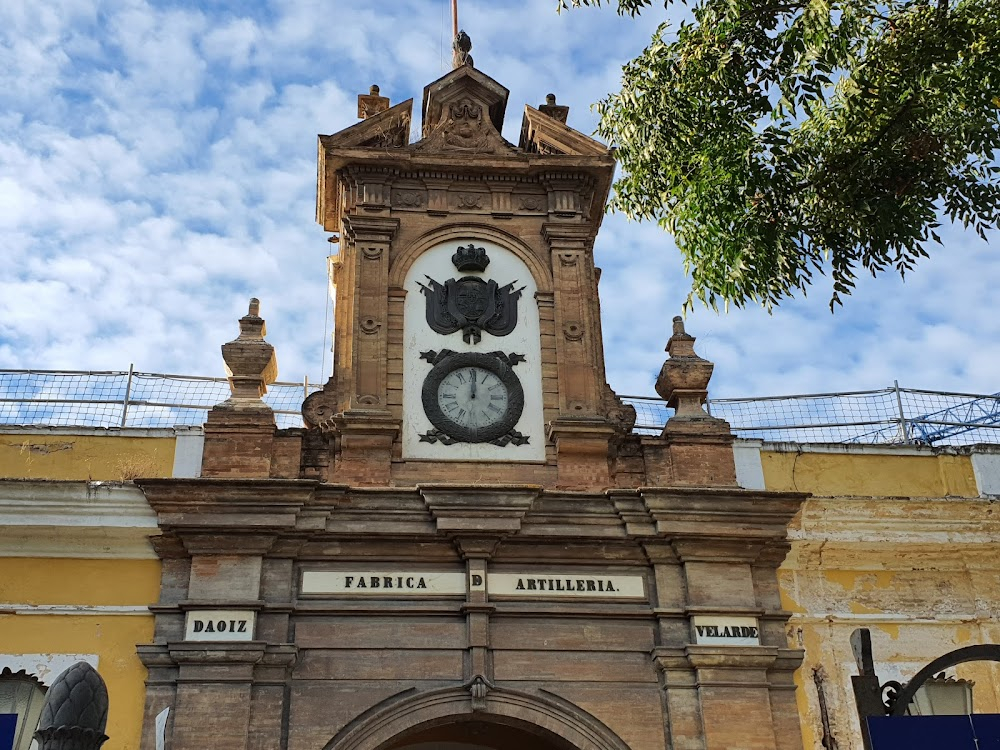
(464, 111)
(387, 129)
(543, 134)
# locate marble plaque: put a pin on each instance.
(552, 585)
(383, 583)
(722, 630)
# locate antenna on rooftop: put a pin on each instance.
(454, 18)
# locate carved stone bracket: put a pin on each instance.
(479, 687)
(471, 508)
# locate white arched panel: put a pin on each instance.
(504, 267)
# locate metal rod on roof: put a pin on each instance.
(454, 18)
(128, 393)
(903, 427)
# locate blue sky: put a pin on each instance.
(157, 168)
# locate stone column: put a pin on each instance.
(477, 519)
(217, 536)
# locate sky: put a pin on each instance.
(157, 169)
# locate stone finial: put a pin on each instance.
(460, 49)
(372, 103)
(75, 712)
(250, 362)
(558, 112)
(683, 379)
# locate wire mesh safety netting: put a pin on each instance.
(889, 415)
(128, 399)
(138, 399)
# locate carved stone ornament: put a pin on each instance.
(408, 198)
(319, 410)
(621, 415)
(531, 202)
(372, 103)
(683, 379)
(479, 687)
(460, 49)
(470, 200)
(75, 712)
(471, 397)
(471, 258)
(250, 363)
(465, 126)
(471, 305)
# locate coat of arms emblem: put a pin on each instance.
(471, 304)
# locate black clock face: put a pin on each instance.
(473, 397)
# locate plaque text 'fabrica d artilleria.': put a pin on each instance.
(536, 584)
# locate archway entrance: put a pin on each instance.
(477, 716)
(476, 734)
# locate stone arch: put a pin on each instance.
(401, 266)
(544, 714)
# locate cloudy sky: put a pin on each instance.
(157, 168)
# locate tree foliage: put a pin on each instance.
(777, 139)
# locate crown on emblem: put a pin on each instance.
(470, 258)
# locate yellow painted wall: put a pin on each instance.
(869, 474)
(27, 580)
(111, 457)
(112, 637)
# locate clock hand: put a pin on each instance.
(472, 372)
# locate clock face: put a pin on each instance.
(473, 397)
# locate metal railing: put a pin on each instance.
(139, 399)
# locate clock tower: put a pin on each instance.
(467, 328)
(467, 545)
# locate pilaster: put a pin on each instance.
(366, 428)
(368, 242)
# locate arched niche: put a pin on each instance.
(496, 719)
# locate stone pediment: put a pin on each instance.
(387, 129)
(543, 134)
(463, 111)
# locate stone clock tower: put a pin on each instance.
(467, 320)
(467, 543)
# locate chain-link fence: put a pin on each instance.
(140, 399)
(889, 415)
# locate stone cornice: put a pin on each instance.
(249, 504)
(682, 512)
(28, 502)
(74, 519)
(301, 517)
